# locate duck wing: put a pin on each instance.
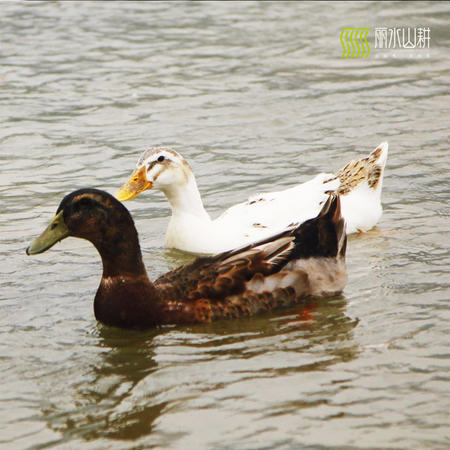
(263, 215)
(273, 272)
(359, 184)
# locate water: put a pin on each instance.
(256, 97)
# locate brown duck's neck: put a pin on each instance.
(121, 255)
(126, 297)
(121, 261)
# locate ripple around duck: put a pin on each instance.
(256, 97)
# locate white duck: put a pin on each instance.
(191, 229)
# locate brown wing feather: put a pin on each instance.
(213, 276)
(225, 285)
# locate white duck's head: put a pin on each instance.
(160, 168)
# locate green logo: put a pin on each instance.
(354, 42)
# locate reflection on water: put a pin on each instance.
(256, 96)
(135, 378)
(125, 360)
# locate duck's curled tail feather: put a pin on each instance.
(367, 170)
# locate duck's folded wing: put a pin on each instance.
(228, 273)
(278, 271)
(274, 211)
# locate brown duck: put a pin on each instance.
(275, 272)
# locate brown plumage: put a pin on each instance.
(359, 170)
(279, 271)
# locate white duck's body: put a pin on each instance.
(191, 229)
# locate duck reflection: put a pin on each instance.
(98, 408)
(316, 325)
(136, 376)
(129, 358)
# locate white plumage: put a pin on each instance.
(191, 229)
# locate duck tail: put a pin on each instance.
(380, 154)
(323, 236)
(367, 170)
(376, 163)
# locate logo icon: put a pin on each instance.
(354, 42)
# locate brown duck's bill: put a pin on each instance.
(136, 184)
(55, 232)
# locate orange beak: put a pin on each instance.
(136, 184)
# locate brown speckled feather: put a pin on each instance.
(356, 171)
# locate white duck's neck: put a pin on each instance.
(185, 199)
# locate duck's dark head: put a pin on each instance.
(90, 214)
(125, 297)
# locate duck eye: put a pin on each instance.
(161, 158)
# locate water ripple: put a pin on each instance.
(256, 97)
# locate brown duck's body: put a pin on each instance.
(276, 272)
(135, 302)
